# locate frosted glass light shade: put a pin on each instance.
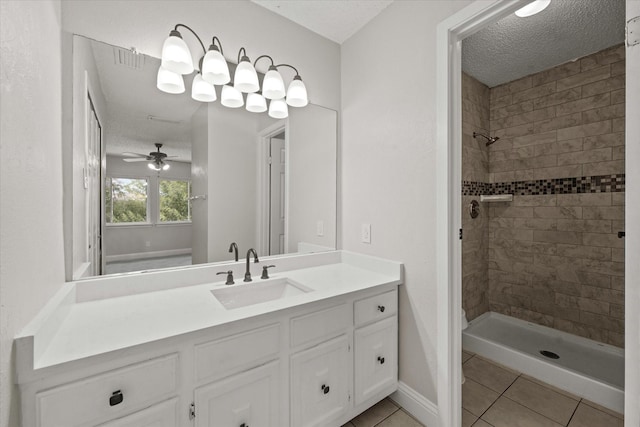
(532, 8)
(202, 91)
(278, 109)
(153, 166)
(176, 55)
(297, 93)
(231, 97)
(256, 103)
(169, 82)
(215, 69)
(245, 78)
(165, 167)
(273, 86)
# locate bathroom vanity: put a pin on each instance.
(314, 345)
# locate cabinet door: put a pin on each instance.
(249, 399)
(376, 358)
(160, 415)
(320, 380)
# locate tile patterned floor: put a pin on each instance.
(496, 396)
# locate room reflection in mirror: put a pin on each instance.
(161, 180)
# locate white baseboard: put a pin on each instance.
(420, 408)
(146, 255)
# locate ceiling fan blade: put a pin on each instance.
(136, 159)
(135, 155)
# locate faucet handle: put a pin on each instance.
(229, 276)
(265, 273)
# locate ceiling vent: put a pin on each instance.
(128, 57)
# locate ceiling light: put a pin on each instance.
(273, 86)
(169, 82)
(214, 70)
(278, 109)
(176, 56)
(214, 67)
(153, 166)
(231, 97)
(256, 103)
(245, 79)
(297, 93)
(533, 8)
(202, 91)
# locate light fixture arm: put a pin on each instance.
(243, 57)
(213, 44)
(192, 32)
(290, 66)
(263, 56)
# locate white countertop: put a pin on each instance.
(99, 326)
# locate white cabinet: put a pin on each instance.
(314, 365)
(108, 396)
(320, 382)
(160, 415)
(376, 358)
(249, 399)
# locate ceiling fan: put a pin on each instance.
(156, 159)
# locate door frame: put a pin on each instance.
(263, 185)
(450, 33)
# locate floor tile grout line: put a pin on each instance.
(385, 418)
(574, 412)
(499, 396)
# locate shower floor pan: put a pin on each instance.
(578, 365)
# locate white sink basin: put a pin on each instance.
(245, 294)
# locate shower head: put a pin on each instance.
(490, 139)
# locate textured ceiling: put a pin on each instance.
(568, 29)
(131, 97)
(336, 20)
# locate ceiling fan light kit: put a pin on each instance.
(156, 159)
(214, 70)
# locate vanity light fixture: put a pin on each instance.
(532, 8)
(214, 70)
(256, 103)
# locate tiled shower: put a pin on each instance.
(552, 256)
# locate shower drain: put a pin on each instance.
(549, 354)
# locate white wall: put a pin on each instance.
(31, 246)
(199, 184)
(232, 184)
(388, 164)
(312, 176)
(133, 239)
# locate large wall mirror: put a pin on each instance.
(225, 175)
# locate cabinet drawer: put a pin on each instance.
(376, 358)
(161, 415)
(223, 357)
(320, 326)
(92, 400)
(376, 307)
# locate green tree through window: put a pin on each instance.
(126, 200)
(174, 200)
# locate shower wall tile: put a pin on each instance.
(475, 172)
(554, 256)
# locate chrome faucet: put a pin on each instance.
(234, 248)
(247, 274)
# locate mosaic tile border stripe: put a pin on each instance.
(586, 184)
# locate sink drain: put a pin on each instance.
(549, 354)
